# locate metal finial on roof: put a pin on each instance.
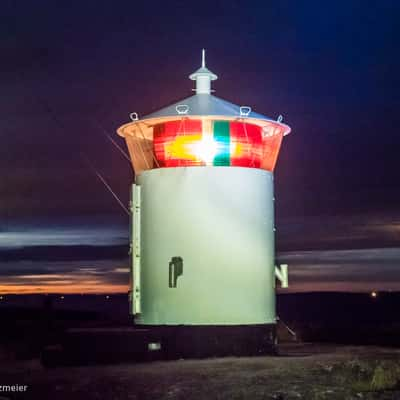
(203, 77)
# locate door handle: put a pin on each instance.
(175, 271)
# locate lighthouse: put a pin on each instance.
(202, 234)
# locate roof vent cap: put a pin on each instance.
(203, 77)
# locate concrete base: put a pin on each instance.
(214, 341)
(150, 343)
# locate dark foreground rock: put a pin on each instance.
(300, 371)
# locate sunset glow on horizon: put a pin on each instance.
(97, 282)
(64, 289)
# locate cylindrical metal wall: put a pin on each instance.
(207, 246)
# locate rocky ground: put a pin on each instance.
(301, 371)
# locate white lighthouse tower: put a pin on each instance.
(203, 252)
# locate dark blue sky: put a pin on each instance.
(332, 70)
(70, 70)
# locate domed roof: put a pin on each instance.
(202, 104)
(205, 105)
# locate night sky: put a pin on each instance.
(71, 72)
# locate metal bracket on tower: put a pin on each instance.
(135, 215)
(134, 116)
(281, 273)
(244, 111)
(182, 108)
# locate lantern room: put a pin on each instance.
(203, 130)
